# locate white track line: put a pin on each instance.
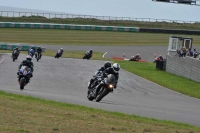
(104, 54)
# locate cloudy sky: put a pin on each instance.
(120, 8)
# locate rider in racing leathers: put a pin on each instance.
(32, 51)
(59, 52)
(17, 52)
(88, 54)
(27, 63)
(111, 70)
(106, 65)
(39, 50)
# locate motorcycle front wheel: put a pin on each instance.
(102, 93)
(22, 81)
(14, 58)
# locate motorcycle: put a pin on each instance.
(24, 74)
(158, 59)
(135, 58)
(15, 55)
(97, 80)
(38, 56)
(31, 52)
(87, 56)
(107, 87)
(58, 54)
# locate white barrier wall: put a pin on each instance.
(187, 67)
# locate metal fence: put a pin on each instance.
(74, 16)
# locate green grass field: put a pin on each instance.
(76, 37)
(24, 114)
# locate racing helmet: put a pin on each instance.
(29, 58)
(107, 64)
(116, 67)
(61, 49)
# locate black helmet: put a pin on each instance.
(16, 48)
(107, 64)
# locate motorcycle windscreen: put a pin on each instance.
(15, 52)
(25, 68)
(111, 79)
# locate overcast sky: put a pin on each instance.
(120, 8)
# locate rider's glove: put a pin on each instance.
(104, 75)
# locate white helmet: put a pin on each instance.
(116, 67)
(29, 57)
(61, 48)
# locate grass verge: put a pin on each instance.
(24, 114)
(163, 78)
(77, 37)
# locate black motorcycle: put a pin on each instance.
(97, 80)
(107, 86)
(58, 54)
(38, 56)
(135, 58)
(15, 55)
(87, 56)
(24, 74)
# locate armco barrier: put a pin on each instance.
(67, 26)
(21, 47)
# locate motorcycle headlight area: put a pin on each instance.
(110, 86)
(25, 72)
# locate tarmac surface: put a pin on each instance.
(66, 80)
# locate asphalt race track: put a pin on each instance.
(66, 80)
(146, 52)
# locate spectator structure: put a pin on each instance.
(180, 46)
